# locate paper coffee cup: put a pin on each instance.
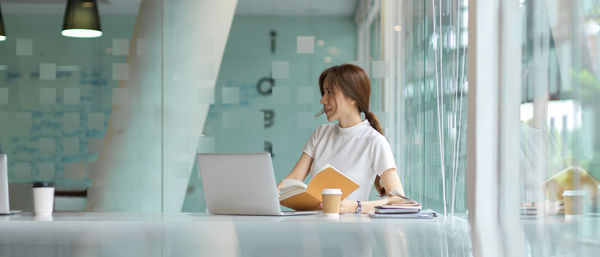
(573, 203)
(43, 198)
(331, 201)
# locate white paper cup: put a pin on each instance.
(573, 203)
(43, 198)
(331, 201)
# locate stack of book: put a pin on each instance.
(402, 208)
(529, 209)
(407, 210)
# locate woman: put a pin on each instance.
(355, 147)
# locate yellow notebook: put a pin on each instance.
(301, 197)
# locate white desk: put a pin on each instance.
(126, 234)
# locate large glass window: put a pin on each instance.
(432, 88)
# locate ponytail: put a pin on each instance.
(374, 121)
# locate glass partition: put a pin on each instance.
(432, 87)
(116, 121)
(66, 104)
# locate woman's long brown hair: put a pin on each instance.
(354, 83)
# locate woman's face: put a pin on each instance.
(335, 104)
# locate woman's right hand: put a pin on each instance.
(300, 171)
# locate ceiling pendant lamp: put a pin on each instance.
(82, 19)
(2, 32)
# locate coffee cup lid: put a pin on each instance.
(331, 191)
(43, 184)
(573, 192)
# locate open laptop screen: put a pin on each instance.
(239, 183)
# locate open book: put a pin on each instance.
(301, 197)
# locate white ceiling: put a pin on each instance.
(245, 7)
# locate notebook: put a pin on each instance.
(424, 214)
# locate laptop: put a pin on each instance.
(241, 184)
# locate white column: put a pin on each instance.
(493, 128)
(175, 53)
(195, 36)
(509, 93)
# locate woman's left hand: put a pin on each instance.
(398, 200)
(348, 206)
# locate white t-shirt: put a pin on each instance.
(360, 152)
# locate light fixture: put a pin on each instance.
(81, 19)
(2, 32)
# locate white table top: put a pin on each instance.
(181, 234)
(194, 234)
